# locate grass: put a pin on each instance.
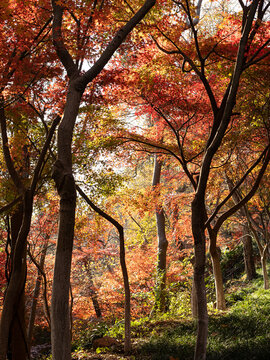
(240, 333)
(244, 332)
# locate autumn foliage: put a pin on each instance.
(184, 82)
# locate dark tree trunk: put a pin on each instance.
(161, 298)
(248, 254)
(198, 231)
(92, 291)
(194, 302)
(36, 293)
(14, 297)
(60, 319)
(17, 339)
(120, 229)
(247, 240)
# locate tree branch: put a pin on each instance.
(249, 195)
(43, 153)
(8, 160)
(58, 41)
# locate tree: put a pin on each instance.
(26, 192)
(63, 175)
(198, 57)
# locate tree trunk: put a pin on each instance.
(215, 257)
(198, 217)
(161, 299)
(60, 319)
(17, 347)
(264, 268)
(15, 290)
(248, 255)
(247, 240)
(32, 315)
(92, 291)
(127, 342)
(194, 302)
(220, 297)
(95, 302)
(120, 229)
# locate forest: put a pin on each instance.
(134, 172)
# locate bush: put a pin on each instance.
(232, 263)
(86, 337)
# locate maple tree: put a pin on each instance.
(22, 62)
(196, 81)
(63, 166)
(198, 57)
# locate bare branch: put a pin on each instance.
(249, 195)
(58, 41)
(43, 153)
(234, 189)
(9, 162)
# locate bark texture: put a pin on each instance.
(15, 290)
(248, 254)
(161, 298)
(60, 319)
(198, 231)
(215, 253)
(18, 340)
(215, 257)
(32, 315)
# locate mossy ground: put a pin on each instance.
(242, 332)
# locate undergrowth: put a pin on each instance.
(240, 333)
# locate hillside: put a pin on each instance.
(241, 332)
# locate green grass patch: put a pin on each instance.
(242, 333)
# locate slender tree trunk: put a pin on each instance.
(15, 290)
(95, 302)
(248, 255)
(161, 265)
(127, 343)
(92, 291)
(215, 257)
(220, 297)
(198, 217)
(17, 347)
(120, 229)
(36, 293)
(264, 268)
(194, 302)
(161, 299)
(60, 319)
(247, 240)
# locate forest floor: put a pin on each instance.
(242, 332)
